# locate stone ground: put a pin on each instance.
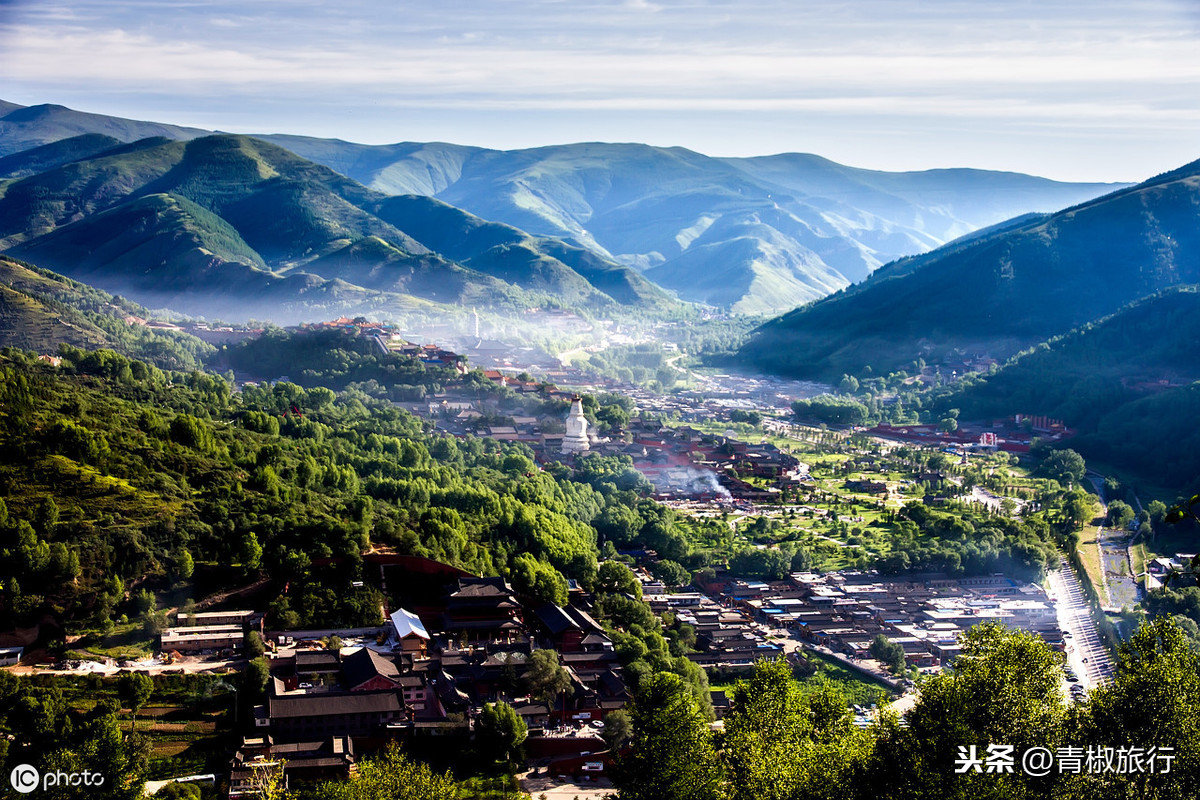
(552, 788)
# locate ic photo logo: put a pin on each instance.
(24, 778)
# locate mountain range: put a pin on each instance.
(1000, 290)
(757, 236)
(236, 226)
(751, 235)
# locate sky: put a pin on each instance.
(1099, 90)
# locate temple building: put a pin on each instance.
(482, 610)
(576, 438)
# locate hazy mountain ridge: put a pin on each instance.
(543, 264)
(48, 156)
(24, 127)
(821, 225)
(1002, 290)
(647, 206)
(187, 223)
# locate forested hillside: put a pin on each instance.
(997, 293)
(1126, 383)
(40, 310)
(127, 489)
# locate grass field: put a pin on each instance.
(1089, 554)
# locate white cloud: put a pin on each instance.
(1050, 66)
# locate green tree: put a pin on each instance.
(1065, 466)
(390, 776)
(250, 553)
(1005, 688)
(671, 573)
(1154, 702)
(154, 622)
(618, 729)
(255, 677)
(1078, 508)
(1120, 514)
(765, 731)
(179, 791)
(672, 756)
(184, 565)
(252, 644)
(886, 651)
(832, 409)
(191, 432)
(539, 580)
(1157, 510)
(613, 577)
(134, 689)
(500, 732)
(545, 677)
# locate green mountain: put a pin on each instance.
(40, 310)
(813, 225)
(39, 159)
(758, 272)
(1127, 383)
(25, 127)
(757, 235)
(1000, 291)
(236, 227)
(550, 265)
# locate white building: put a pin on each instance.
(576, 439)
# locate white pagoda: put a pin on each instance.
(576, 439)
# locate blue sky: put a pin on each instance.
(1078, 91)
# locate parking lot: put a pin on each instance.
(1085, 653)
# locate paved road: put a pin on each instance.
(1074, 618)
(992, 500)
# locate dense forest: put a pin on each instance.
(1126, 383)
(128, 490)
(333, 359)
(132, 471)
